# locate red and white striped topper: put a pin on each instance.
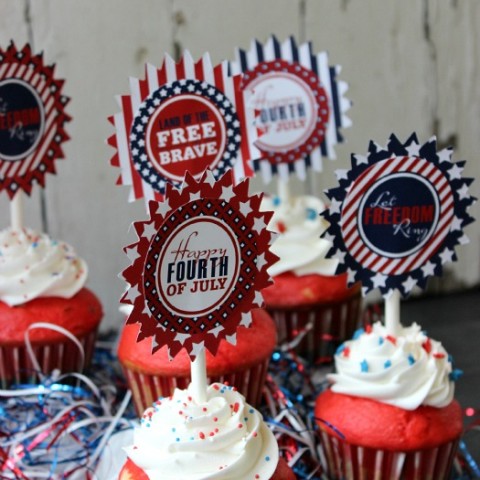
(398, 214)
(183, 117)
(199, 264)
(32, 119)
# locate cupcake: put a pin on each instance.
(42, 281)
(222, 438)
(390, 411)
(243, 365)
(307, 298)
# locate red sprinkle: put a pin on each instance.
(439, 355)
(391, 339)
(281, 227)
(346, 352)
(215, 419)
(236, 406)
(204, 409)
(427, 345)
(216, 387)
(201, 435)
(368, 329)
(240, 425)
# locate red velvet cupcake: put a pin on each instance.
(243, 365)
(222, 438)
(306, 296)
(41, 281)
(390, 412)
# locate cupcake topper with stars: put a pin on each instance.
(397, 216)
(32, 121)
(299, 106)
(198, 267)
(185, 116)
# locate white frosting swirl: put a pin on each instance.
(406, 371)
(298, 245)
(223, 438)
(32, 265)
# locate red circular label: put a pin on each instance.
(185, 133)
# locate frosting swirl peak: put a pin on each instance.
(406, 371)
(299, 246)
(223, 438)
(32, 265)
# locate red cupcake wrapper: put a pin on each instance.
(147, 388)
(352, 462)
(323, 326)
(16, 366)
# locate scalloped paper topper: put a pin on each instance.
(199, 264)
(32, 119)
(398, 214)
(299, 103)
(184, 116)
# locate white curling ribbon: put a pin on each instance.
(56, 328)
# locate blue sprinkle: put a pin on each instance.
(276, 201)
(387, 364)
(192, 439)
(455, 374)
(411, 360)
(148, 425)
(311, 214)
(174, 429)
(381, 340)
(177, 439)
(276, 356)
(245, 419)
(450, 358)
(358, 332)
(267, 459)
(251, 410)
(364, 366)
(54, 243)
(35, 244)
(340, 349)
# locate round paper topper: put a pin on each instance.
(291, 108)
(32, 119)
(199, 264)
(299, 104)
(185, 116)
(187, 125)
(398, 215)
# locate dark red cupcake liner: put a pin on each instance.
(147, 388)
(16, 365)
(316, 331)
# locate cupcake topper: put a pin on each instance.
(182, 117)
(198, 267)
(32, 120)
(299, 105)
(397, 216)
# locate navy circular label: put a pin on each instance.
(398, 214)
(22, 119)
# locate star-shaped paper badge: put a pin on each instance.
(199, 264)
(398, 215)
(32, 120)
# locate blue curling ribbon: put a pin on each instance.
(469, 459)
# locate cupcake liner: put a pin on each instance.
(316, 331)
(16, 365)
(147, 388)
(352, 462)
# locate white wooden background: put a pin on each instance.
(412, 65)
